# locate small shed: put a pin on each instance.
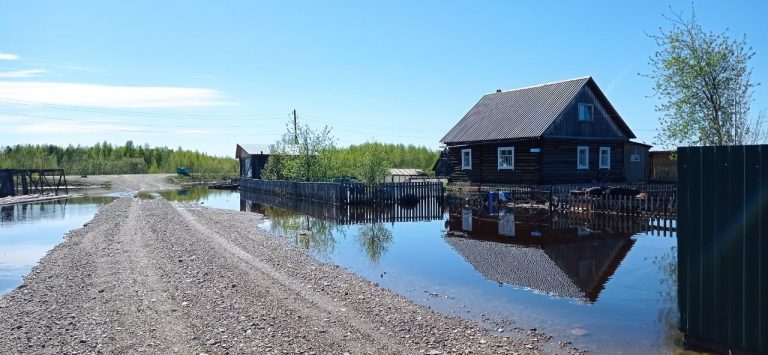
(663, 166)
(442, 166)
(403, 175)
(636, 162)
(253, 158)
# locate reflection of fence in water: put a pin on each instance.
(426, 210)
(32, 211)
(617, 223)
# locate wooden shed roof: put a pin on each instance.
(405, 172)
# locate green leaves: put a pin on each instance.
(704, 83)
(105, 159)
(315, 158)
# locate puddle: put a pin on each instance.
(29, 231)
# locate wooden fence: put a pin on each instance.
(723, 247)
(424, 210)
(348, 193)
(657, 201)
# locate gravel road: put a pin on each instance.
(125, 183)
(151, 276)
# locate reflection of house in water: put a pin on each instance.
(524, 250)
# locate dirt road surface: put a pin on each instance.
(126, 183)
(150, 276)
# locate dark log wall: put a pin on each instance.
(568, 124)
(560, 167)
(555, 164)
(485, 164)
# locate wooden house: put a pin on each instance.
(563, 132)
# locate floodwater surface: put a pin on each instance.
(606, 285)
(29, 231)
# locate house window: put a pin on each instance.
(466, 159)
(506, 158)
(582, 157)
(605, 157)
(466, 219)
(586, 112)
(506, 223)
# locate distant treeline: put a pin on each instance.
(311, 155)
(105, 159)
(397, 155)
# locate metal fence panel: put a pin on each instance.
(722, 240)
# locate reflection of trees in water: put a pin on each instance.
(668, 316)
(192, 194)
(315, 235)
(374, 239)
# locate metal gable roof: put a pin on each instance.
(519, 113)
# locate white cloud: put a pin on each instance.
(57, 127)
(77, 94)
(10, 118)
(27, 73)
(8, 56)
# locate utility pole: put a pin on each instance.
(295, 129)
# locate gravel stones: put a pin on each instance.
(149, 276)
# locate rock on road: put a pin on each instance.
(150, 276)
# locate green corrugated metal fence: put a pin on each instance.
(723, 246)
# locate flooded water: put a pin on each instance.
(29, 231)
(605, 284)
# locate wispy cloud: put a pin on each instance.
(58, 127)
(617, 79)
(77, 94)
(27, 73)
(8, 56)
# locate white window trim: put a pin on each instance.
(498, 158)
(591, 112)
(469, 165)
(578, 150)
(600, 157)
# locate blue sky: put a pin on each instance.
(205, 75)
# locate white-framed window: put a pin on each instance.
(582, 157)
(605, 157)
(506, 223)
(586, 111)
(466, 159)
(506, 158)
(466, 219)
